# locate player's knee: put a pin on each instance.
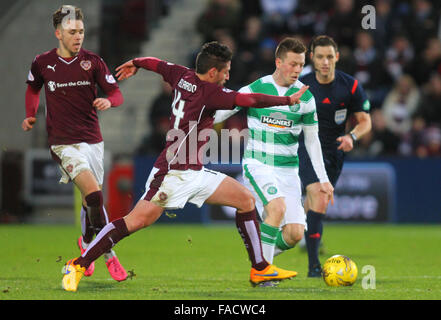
(276, 208)
(137, 222)
(248, 201)
(293, 236)
(296, 237)
(318, 202)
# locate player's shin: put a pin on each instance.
(268, 236)
(313, 236)
(95, 210)
(87, 231)
(110, 235)
(249, 230)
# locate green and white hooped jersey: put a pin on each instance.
(274, 131)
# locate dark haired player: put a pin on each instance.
(337, 96)
(176, 177)
(70, 75)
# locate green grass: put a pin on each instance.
(183, 262)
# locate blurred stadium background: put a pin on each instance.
(393, 175)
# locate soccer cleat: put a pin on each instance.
(91, 268)
(315, 271)
(116, 270)
(270, 273)
(72, 275)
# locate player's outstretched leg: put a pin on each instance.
(116, 270)
(144, 214)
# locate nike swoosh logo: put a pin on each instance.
(274, 274)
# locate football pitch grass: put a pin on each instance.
(200, 262)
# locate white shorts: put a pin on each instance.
(179, 187)
(75, 158)
(268, 183)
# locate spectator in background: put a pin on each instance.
(219, 15)
(239, 70)
(159, 120)
(399, 56)
(370, 70)
(427, 62)
(421, 23)
(380, 141)
(400, 104)
(429, 108)
(413, 141)
(344, 21)
(432, 141)
(309, 18)
(249, 43)
(422, 141)
(384, 27)
(265, 60)
(383, 141)
(276, 13)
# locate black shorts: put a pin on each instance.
(333, 160)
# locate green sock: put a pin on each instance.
(281, 244)
(268, 236)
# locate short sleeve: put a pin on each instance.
(360, 102)
(171, 72)
(103, 77)
(219, 98)
(35, 79)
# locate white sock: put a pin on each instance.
(109, 255)
(268, 252)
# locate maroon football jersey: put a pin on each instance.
(70, 89)
(194, 105)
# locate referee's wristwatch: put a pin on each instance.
(353, 136)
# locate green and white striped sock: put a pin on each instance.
(268, 235)
(281, 245)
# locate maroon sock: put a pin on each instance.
(86, 227)
(110, 235)
(249, 230)
(95, 210)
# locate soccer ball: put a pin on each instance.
(339, 271)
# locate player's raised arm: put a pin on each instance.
(260, 100)
(130, 68)
(126, 70)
